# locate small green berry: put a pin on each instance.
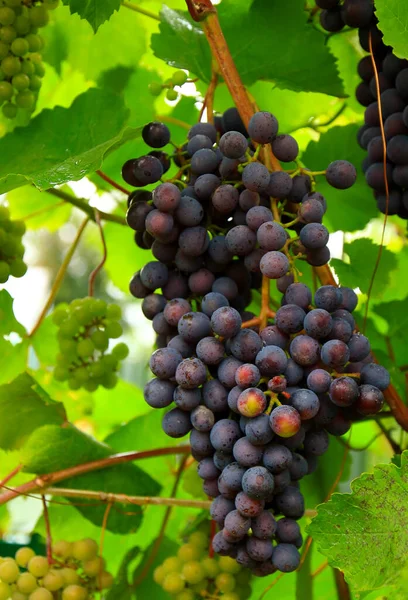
(171, 95)
(155, 88)
(179, 77)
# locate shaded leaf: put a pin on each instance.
(148, 586)
(122, 589)
(396, 316)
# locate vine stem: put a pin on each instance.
(173, 121)
(125, 499)
(48, 529)
(112, 182)
(343, 590)
(159, 539)
(12, 474)
(139, 9)
(42, 481)
(93, 275)
(84, 206)
(60, 276)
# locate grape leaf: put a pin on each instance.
(37, 209)
(122, 588)
(364, 533)
(24, 406)
(393, 22)
(395, 314)
(306, 64)
(363, 252)
(8, 322)
(148, 587)
(94, 11)
(65, 144)
(350, 209)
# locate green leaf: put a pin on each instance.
(24, 406)
(94, 11)
(52, 448)
(364, 533)
(148, 587)
(38, 209)
(350, 209)
(393, 22)
(122, 588)
(63, 144)
(14, 359)
(306, 64)
(45, 342)
(363, 255)
(396, 316)
(8, 322)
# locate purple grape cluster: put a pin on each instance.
(256, 422)
(393, 84)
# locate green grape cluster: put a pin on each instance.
(193, 575)
(76, 572)
(85, 328)
(21, 67)
(178, 78)
(11, 247)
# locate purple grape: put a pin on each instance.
(164, 362)
(191, 373)
(318, 323)
(349, 299)
(194, 326)
(306, 403)
(258, 430)
(257, 216)
(175, 309)
(280, 185)
(316, 443)
(319, 381)
(189, 212)
(215, 396)
(305, 350)
(255, 177)
(155, 134)
(274, 265)
(221, 546)
(205, 185)
(277, 458)
(197, 142)
(298, 468)
(251, 402)
(210, 351)
(290, 503)
(375, 375)
(314, 236)
(220, 506)
(285, 148)
(176, 423)
(226, 371)
(204, 161)
(247, 506)
(226, 321)
(287, 531)
(289, 318)
(271, 235)
(200, 444)
(271, 360)
(152, 305)
(194, 241)
(225, 286)
(206, 469)
(370, 400)
(211, 302)
(225, 199)
(359, 347)
(263, 127)
(257, 483)
(246, 454)
(158, 393)
(264, 526)
(240, 240)
(343, 391)
(202, 418)
(299, 294)
(245, 345)
(341, 174)
(187, 399)
(224, 434)
(285, 558)
(271, 336)
(233, 144)
(335, 353)
(259, 550)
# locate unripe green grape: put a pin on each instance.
(109, 362)
(61, 373)
(23, 555)
(189, 552)
(35, 83)
(229, 565)
(51, 4)
(38, 16)
(9, 110)
(225, 582)
(41, 594)
(53, 581)
(91, 385)
(81, 374)
(179, 77)
(70, 576)
(83, 315)
(171, 94)
(59, 315)
(6, 90)
(109, 381)
(93, 567)
(25, 99)
(7, 34)
(231, 596)
(22, 25)
(34, 42)
(84, 549)
(9, 571)
(96, 370)
(7, 15)
(27, 67)
(74, 592)
(11, 66)
(18, 268)
(155, 88)
(159, 574)
(20, 82)
(16, 595)
(113, 329)
(10, 246)
(4, 214)
(18, 227)
(172, 564)
(173, 583)
(99, 307)
(200, 589)
(38, 566)
(199, 538)
(20, 46)
(186, 595)
(4, 50)
(26, 583)
(193, 572)
(61, 548)
(100, 339)
(120, 351)
(70, 327)
(12, 3)
(211, 567)
(114, 312)
(85, 348)
(74, 384)
(5, 591)
(105, 580)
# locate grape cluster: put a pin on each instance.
(178, 78)
(393, 84)
(75, 573)
(11, 247)
(85, 328)
(21, 67)
(192, 574)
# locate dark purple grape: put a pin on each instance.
(304, 350)
(230, 479)
(316, 443)
(271, 360)
(271, 235)
(332, 20)
(220, 506)
(341, 174)
(300, 294)
(194, 241)
(232, 399)
(226, 321)
(178, 343)
(263, 127)
(225, 286)
(370, 400)
(245, 345)
(339, 425)
(274, 265)
(236, 525)
(259, 550)
(191, 373)
(240, 240)
(233, 144)
(306, 403)
(210, 488)
(277, 458)
(258, 430)
(232, 121)
(255, 177)
(187, 399)
(163, 362)
(280, 185)
(207, 129)
(221, 546)
(244, 559)
(224, 434)
(206, 469)
(247, 375)
(215, 396)
(222, 459)
(154, 275)
(397, 150)
(394, 125)
(152, 305)
(279, 383)
(147, 169)
(158, 393)
(298, 468)
(328, 297)
(290, 503)
(159, 224)
(272, 336)
(287, 531)
(257, 483)
(335, 353)
(210, 351)
(375, 375)
(318, 323)
(225, 199)
(201, 282)
(247, 506)
(194, 326)
(343, 391)
(202, 418)
(264, 526)
(166, 197)
(226, 371)
(285, 148)
(175, 309)
(218, 250)
(137, 214)
(156, 135)
(359, 347)
(314, 236)
(160, 325)
(289, 318)
(319, 381)
(176, 423)
(189, 212)
(258, 215)
(200, 444)
(342, 313)
(285, 558)
(204, 161)
(197, 142)
(246, 454)
(205, 185)
(212, 302)
(186, 263)
(248, 199)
